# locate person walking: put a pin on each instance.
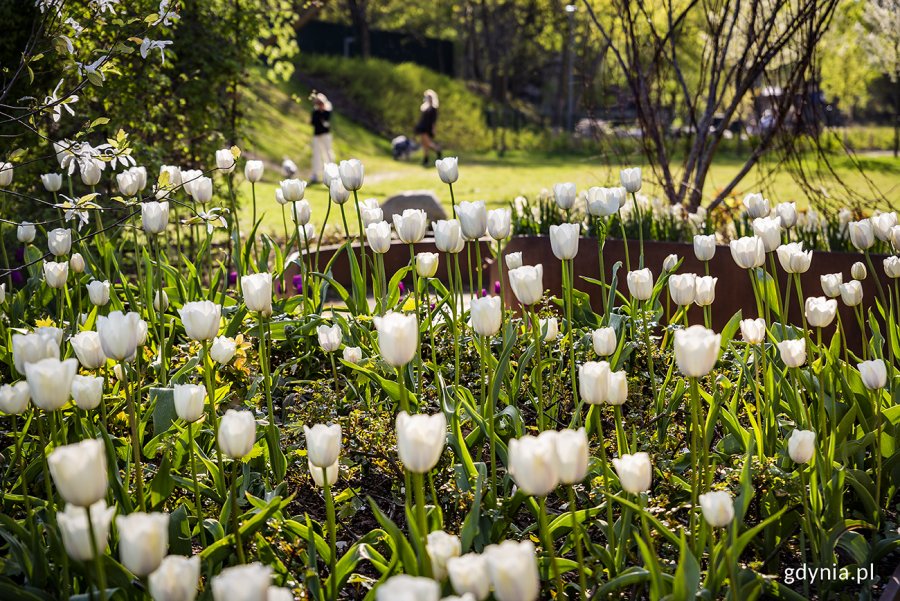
(321, 141)
(428, 114)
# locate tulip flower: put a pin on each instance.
(30, 348)
(882, 224)
(420, 440)
(351, 173)
(792, 352)
(631, 179)
(640, 284)
(513, 571)
(753, 331)
(201, 319)
(412, 588)
(143, 541)
(76, 530)
(670, 262)
(705, 290)
(248, 582)
(448, 169)
(486, 315)
(76, 263)
(513, 260)
(370, 211)
(768, 229)
(257, 291)
(189, 401)
(593, 380)
(617, 388)
(237, 433)
(499, 223)
(748, 252)
(172, 173)
(564, 240)
(155, 217)
(330, 337)
(50, 382)
(793, 258)
(564, 194)
(603, 202)
(410, 226)
(573, 455)
(873, 374)
(820, 311)
(87, 392)
(127, 184)
(831, 284)
(862, 234)
(534, 464)
(802, 446)
(469, 575)
(56, 274)
(851, 293)
(175, 579)
(696, 350)
(119, 334)
(253, 171)
(332, 472)
(682, 288)
(25, 232)
(52, 181)
(379, 236)
(89, 349)
(352, 354)
(441, 548)
(98, 292)
(338, 193)
(426, 264)
(201, 189)
(787, 211)
(892, 267)
(550, 328)
(895, 237)
(162, 306)
(604, 341)
(323, 444)
(718, 508)
(91, 171)
(472, 219)
(757, 206)
(225, 160)
(59, 241)
(222, 350)
(398, 336)
(635, 472)
(14, 398)
(79, 471)
(293, 190)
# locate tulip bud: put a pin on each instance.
(704, 247)
(225, 160)
(370, 211)
(802, 446)
(441, 548)
(189, 401)
(564, 194)
(793, 259)
(52, 181)
(351, 173)
(792, 352)
(293, 190)
(338, 193)
(472, 219)
(550, 328)
(163, 306)
(858, 271)
(640, 284)
(14, 398)
(426, 264)
(527, 283)
(59, 241)
(486, 315)
(222, 350)
(820, 311)
(873, 374)
(202, 189)
(127, 184)
(862, 234)
(631, 179)
(768, 229)
(892, 267)
(50, 382)
(237, 433)
(119, 334)
(175, 579)
(412, 588)
(882, 223)
(851, 293)
(410, 226)
(76, 530)
(242, 583)
(89, 350)
(98, 292)
(25, 232)
(682, 288)
(79, 471)
(91, 171)
(670, 262)
(534, 463)
(696, 350)
(635, 472)
(253, 171)
(705, 293)
(330, 172)
(756, 205)
(499, 223)
(201, 319)
(352, 354)
(787, 211)
(87, 392)
(257, 290)
(573, 455)
(513, 260)
(448, 169)
(332, 472)
(56, 274)
(379, 236)
(143, 541)
(154, 217)
(831, 284)
(323, 444)
(513, 570)
(398, 335)
(753, 331)
(301, 212)
(30, 348)
(564, 240)
(748, 252)
(593, 382)
(603, 202)
(469, 575)
(420, 440)
(718, 508)
(617, 388)
(76, 263)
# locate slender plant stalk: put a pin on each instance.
(601, 442)
(235, 522)
(576, 533)
(548, 547)
(424, 561)
(197, 500)
(332, 535)
(362, 246)
(539, 384)
(135, 440)
(98, 559)
(211, 399)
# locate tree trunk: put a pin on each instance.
(360, 19)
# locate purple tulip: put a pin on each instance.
(484, 292)
(277, 286)
(232, 278)
(497, 287)
(297, 281)
(18, 277)
(402, 288)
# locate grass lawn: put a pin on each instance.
(280, 128)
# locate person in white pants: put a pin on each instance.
(321, 141)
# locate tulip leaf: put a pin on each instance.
(402, 546)
(687, 574)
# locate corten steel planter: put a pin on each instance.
(733, 289)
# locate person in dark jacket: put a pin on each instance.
(321, 140)
(428, 114)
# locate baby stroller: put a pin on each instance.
(403, 147)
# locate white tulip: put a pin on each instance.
(593, 382)
(788, 213)
(472, 219)
(448, 169)
(91, 171)
(89, 349)
(420, 440)
(14, 398)
(293, 190)
(851, 293)
(257, 290)
(173, 173)
(52, 181)
(892, 267)
(140, 176)
(862, 234)
(682, 288)
(640, 284)
(253, 171)
(128, 184)
(338, 193)
(802, 446)
(756, 205)
(352, 354)
(352, 173)
(603, 202)
(486, 315)
(242, 583)
(154, 217)
(225, 160)
(87, 392)
(670, 262)
(379, 236)
(76, 263)
(175, 579)
(79, 471)
(426, 264)
(408, 588)
(56, 274)
(604, 341)
(98, 292)
(330, 172)
(792, 352)
(718, 508)
(617, 388)
(441, 548)
(76, 530)
(499, 223)
(119, 334)
(513, 571)
(201, 319)
(550, 328)
(513, 260)
(858, 271)
(873, 374)
(469, 575)
(237, 433)
(330, 337)
(820, 311)
(748, 252)
(635, 472)
(631, 179)
(189, 401)
(323, 444)
(30, 348)
(143, 541)
(50, 382)
(793, 258)
(564, 194)
(882, 223)
(332, 472)
(25, 232)
(705, 293)
(398, 336)
(161, 301)
(59, 241)
(831, 284)
(564, 240)
(370, 211)
(696, 350)
(448, 236)
(573, 455)
(534, 463)
(410, 226)
(753, 331)
(768, 229)
(222, 350)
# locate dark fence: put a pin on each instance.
(320, 37)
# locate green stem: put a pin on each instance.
(235, 522)
(539, 383)
(362, 246)
(101, 573)
(332, 535)
(197, 500)
(601, 442)
(569, 272)
(404, 392)
(213, 415)
(624, 245)
(579, 552)
(424, 561)
(135, 438)
(161, 324)
(640, 220)
(695, 465)
(548, 547)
